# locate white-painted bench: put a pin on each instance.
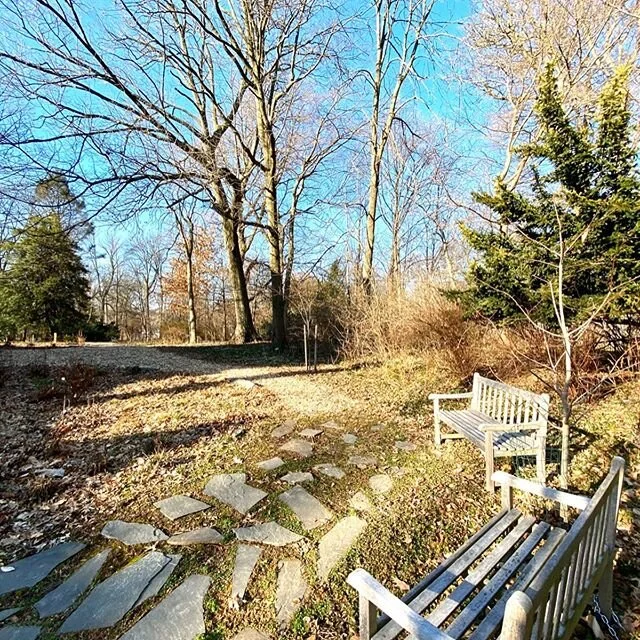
(501, 421)
(516, 577)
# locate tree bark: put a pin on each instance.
(245, 330)
(191, 297)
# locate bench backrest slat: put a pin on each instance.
(508, 404)
(562, 589)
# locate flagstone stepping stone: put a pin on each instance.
(14, 632)
(203, 535)
(245, 384)
(30, 570)
(231, 488)
(294, 477)
(309, 510)
(381, 483)
(349, 438)
(332, 425)
(335, 544)
(360, 502)
(271, 464)
(250, 634)
(180, 506)
(180, 616)
(397, 472)
(284, 429)
(270, 533)
(310, 433)
(330, 470)
(246, 559)
(111, 599)
(301, 448)
(362, 462)
(7, 613)
(158, 581)
(131, 533)
(290, 591)
(405, 445)
(63, 596)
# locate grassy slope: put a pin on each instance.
(142, 439)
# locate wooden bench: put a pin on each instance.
(501, 421)
(517, 577)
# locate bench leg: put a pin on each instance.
(436, 423)
(605, 588)
(488, 457)
(368, 618)
(541, 460)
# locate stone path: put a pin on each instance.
(180, 613)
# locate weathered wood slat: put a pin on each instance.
(426, 597)
(475, 608)
(475, 577)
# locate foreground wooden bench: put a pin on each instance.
(516, 576)
(501, 421)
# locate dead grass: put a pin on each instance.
(130, 439)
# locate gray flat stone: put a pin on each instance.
(270, 533)
(284, 429)
(271, 464)
(405, 445)
(231, 488)
(332, 425)
(243, 383)
(110, 600)
(203, 535)
(349, 438)
(7, 613)
(298, 476)
(360, 502)
(330, 470)
(246, 559)
(335, 544)
(180, 506)
(30, 570)
(158, 581)
(290, 591)
(301, 448)
(180, 616)
(131, 533)
(362, 462)
(250, 634)
(381, 483)
(310, 433)
(63, 596)
(309, 510)
(14, 632)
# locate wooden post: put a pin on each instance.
(516, 624)
(306, 355)
(436, 422)
(506, 493)
(368, 618)
(315, 348)
(488, 456)
(55, 337)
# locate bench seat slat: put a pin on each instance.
(475, 577)
(482, 600)
(445, 580)
(493, 619)
(469, 420)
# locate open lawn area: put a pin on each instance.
(144, 424)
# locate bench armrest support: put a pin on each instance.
(509, 482)
(450, 396)
(513, 428)
(372, 591)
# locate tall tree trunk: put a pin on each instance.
(372, 212)
(245, 330)
(191, 297)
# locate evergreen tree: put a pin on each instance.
(583, 202)
(44, 288)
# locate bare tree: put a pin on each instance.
(400, 40)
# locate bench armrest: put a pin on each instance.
(372, 591)
(513, 428)
(450, 396)
(528, 486)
